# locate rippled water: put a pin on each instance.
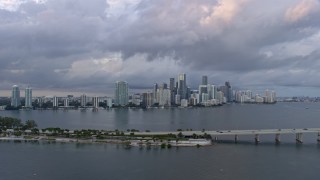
(225, 160)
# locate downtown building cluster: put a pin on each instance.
(175, 93)
(178, 93)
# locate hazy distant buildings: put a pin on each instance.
(55, 102)
(182, 86)
(121, 93)
(95, 102)
(227, 91)
(15, 96)
(204, 80)
(164, 96)
(66, 102)
(147, 99)
(83, 100)
(28, 97)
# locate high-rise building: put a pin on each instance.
(95, 102)
(55, 102)
(182, 86)
(66, 102)
(121, 93)
(172, 90)
(204, 80)
(83, 100)
(147, 99)
(155, 90)
(28, 97)
(202, 89)
(109, 102)
(15, 96)
(164, 95)
(212, 91)
(227, 91)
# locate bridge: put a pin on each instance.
(236, 133)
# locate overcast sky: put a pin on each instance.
(86, 45)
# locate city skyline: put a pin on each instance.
(254, 44)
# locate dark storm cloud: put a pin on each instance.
(83, 44)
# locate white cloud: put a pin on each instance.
(302, 10)
(223, 12)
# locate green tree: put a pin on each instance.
(30, 124)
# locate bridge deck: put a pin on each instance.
(234, 132)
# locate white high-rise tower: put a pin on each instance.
(15, 96)
(28, 97)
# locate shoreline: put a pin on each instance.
(127, 142)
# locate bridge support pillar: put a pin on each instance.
(236, 138)
(257, 138)
(277, 138)
(318, 137)
(299, 138)
(216, 138)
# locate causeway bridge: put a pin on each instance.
(298, 133)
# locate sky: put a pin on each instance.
(85, 46)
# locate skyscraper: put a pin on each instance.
(121, 93)
(202, 89)
(204, 80)
(15, 96)
(55, 102)
(227, 91)
(155, 89)
(164, 95)
(83, 100)
(172, 90)
(28, 97)
(66, 102)
(182, 86)
(95, 102)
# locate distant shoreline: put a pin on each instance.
(127, 143)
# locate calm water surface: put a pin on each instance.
(222, 161)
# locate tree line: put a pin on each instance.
(15, 123)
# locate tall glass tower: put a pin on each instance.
(121, 97)
(28, 97)
(15, 96)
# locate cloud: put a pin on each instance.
(223, 12)
(302, 10)
(87, 45)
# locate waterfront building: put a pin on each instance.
(258, 99)
(164, 96)
(204, 98)
(95, 102)
(147, 99)
(204, 80)
(177, 99)
(55, 102)
(136, 99)
(155, 90)
(83, 100)
(227, 91)
(212, 90)
(66, 102)
(270, 96)
(121, 93)
(109, 102)
(172, 90)
(28, 97)
(202, 89)
(182, 86)
(184, 103)
(15, 96)
(220, 97)
(193, 101)
(40, 101)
